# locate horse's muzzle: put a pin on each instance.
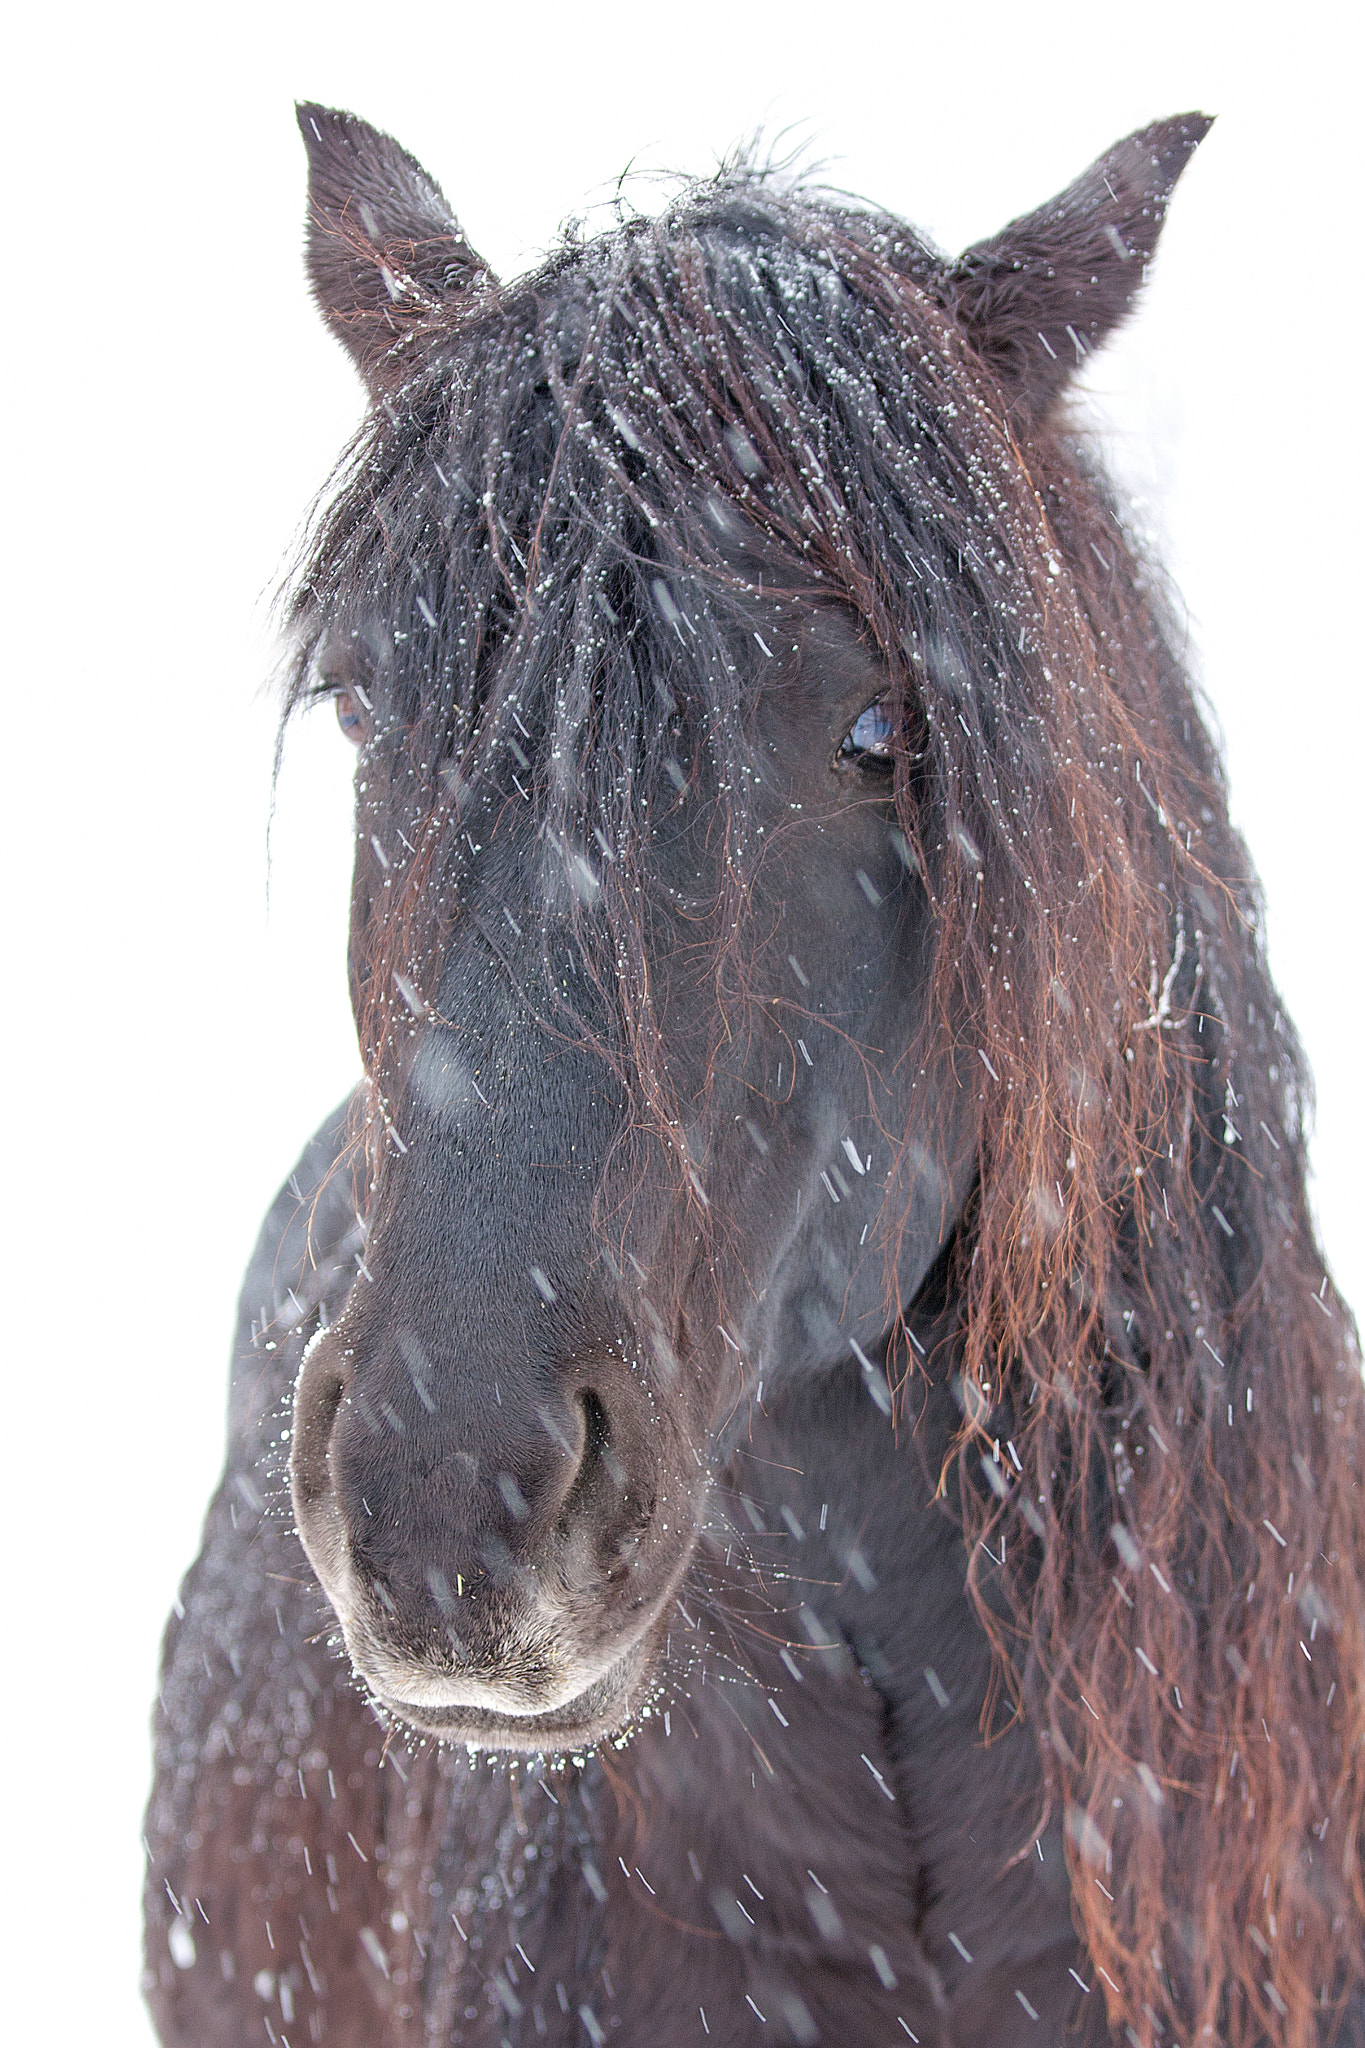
(498, 1587)
(576, 1711)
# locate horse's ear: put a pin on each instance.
(384, 250)
(1037, 297)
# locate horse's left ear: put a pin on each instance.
(385, 251)
(1037, 297)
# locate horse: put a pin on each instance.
(793, 1466)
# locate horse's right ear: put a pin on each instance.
(1037, 297)
(385, 253)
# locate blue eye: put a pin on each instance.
(870, 737)
(352, 714)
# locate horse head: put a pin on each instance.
(671, 1084)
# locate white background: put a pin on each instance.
(171, 405)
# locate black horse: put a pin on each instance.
(804, 1375)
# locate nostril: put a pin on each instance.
(317, 1398)
(600, 1472)
(594, 1437)
(595, 1430)
(599, 1440)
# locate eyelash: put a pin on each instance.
(338, 666)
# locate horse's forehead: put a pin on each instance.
(798, 654)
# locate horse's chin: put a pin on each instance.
(603, 1709)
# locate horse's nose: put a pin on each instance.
(412, 1489)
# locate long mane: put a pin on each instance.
(1170, 1577)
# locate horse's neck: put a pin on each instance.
(812, 1781)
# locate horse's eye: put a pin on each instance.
(868, 742)
(353, 715)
